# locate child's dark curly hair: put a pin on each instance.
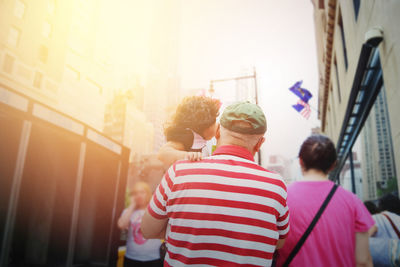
(196, 113)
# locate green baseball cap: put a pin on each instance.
(246, 112)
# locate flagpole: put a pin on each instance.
(256, 99)
(316, 110)
(254, 76)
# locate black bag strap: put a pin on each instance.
(393, 225)
(310, 227)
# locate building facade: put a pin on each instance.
(378, 155)
(281, 165)
(345, 176)
(162, 90)
(51, 51)
(358, 58)
(127, 124)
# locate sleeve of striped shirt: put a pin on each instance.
(283, 220)
(158, 203)
(283, 224)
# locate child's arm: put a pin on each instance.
(124, 220)
(173, 151)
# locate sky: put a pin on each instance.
(222, 38)
(226, 38)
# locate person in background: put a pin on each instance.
(193, 124)
(385, 235)
(371, 207)
(340, 237)
(390, 203)
(139, 251)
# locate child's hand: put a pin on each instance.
(132, 206)
(194, 156)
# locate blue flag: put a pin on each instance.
(304, 94)
(298, 107)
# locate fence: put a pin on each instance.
(62, 186)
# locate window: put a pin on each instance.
(43, 53)
(333, 106)
(321, 4)
(70, 74)
(77, 45)
(37, 82)
(92, 86)
(13, 36)
(356, 4)
(51, 6)
(8, 63)
(46, 30)
(337, 81)
(329, 112)
(340, 24)
(19, 9)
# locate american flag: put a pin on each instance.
(306, 112)
(303, 108)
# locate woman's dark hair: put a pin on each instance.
(390, 203)
(371, 207)
(318, 152)
(194, 112)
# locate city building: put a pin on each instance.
(53, 51)
(281, 165)
(358, 59)
(162, 89)
(378, 158)
(127, 124)
(295, 170)
(345, 176)
(316, 130)
(246, 89)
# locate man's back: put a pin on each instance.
(223, 210)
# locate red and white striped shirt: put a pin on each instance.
(223, 211)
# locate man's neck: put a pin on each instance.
(220, 143)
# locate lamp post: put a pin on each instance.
(211, 90)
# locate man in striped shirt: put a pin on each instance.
(224, 210)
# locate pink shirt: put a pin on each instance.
(332, 241)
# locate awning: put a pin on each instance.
(366, 87)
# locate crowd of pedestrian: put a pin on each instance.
(385, 234)
(225, 210)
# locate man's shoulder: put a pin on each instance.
(209, 161)
(228, 164)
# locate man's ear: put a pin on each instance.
(259, 144)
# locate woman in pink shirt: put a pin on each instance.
(340, 237)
